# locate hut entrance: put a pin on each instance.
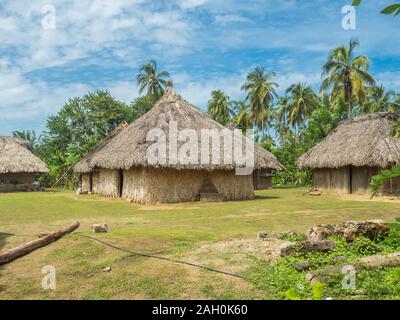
(208, 192)
(120, 182)
(91, 182)
(351, 179)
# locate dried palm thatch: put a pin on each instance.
(128, 148)
(362, 141)
(15, 157)
(83, 166)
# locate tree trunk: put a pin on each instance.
(262, 122)
(24, 249)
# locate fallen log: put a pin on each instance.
(24, 249)
(371, 262)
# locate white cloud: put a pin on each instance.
(189, 4)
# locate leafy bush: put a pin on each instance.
(364, 246)
(280, 279)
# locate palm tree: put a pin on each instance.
(242, 115)
(28, 135)
(302, 101)
(380, 100)
(345, 73)
(151, 79)
(218, 107)
(260, 94)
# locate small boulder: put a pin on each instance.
(370, 229)
(320, 278)
(349, 230)
(107, 269)
(261, 235)
(321, 246)
(315, 193)
(321, 231)
(287, 249)
(302, 266)
(99, 228)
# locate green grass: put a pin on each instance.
(175, 231)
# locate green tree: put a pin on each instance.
(28, 135)
(302, 101)
(218, 107)
(152, 80)
(347, 74)
(142, 104)
(261, 92)
(79, 126)
(380, 100)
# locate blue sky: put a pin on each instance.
(204, 44)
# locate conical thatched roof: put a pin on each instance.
(83, 166)
(128, 149)
(361, 141)
(16, 157)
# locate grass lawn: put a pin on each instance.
(179, 231)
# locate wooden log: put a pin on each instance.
(371, 262)
(24, 249)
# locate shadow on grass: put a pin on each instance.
(258, 197)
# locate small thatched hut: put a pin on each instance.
(123, 169)
(347, 159)
(18, 165)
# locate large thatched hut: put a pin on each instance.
(123, 168)
(347, 159)
(18, 165)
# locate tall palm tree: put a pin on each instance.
(346, 73)
(302, 101)
(260, 94)
(152, 80)
(218, 107)
(242, 115)
(380, 100)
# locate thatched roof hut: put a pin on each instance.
(131, 175)
(18, 165)
(83, 166)
(352, 153)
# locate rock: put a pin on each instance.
(321, 232)
(321, 246)
(389, 260)
(107, 269)
(339, 259)
(267, 235)
(315, 277)
(320, 278)
(90, 275)
(315, 193)
(302, 266)
(98, 228)
(287, 249)
(349, 230)
(261, 235)
(370, 229)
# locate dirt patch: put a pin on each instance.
(235, 255)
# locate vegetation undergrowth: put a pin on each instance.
(280, 279)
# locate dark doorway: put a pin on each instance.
(121, 182)
(91, 182)
(350, 179)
